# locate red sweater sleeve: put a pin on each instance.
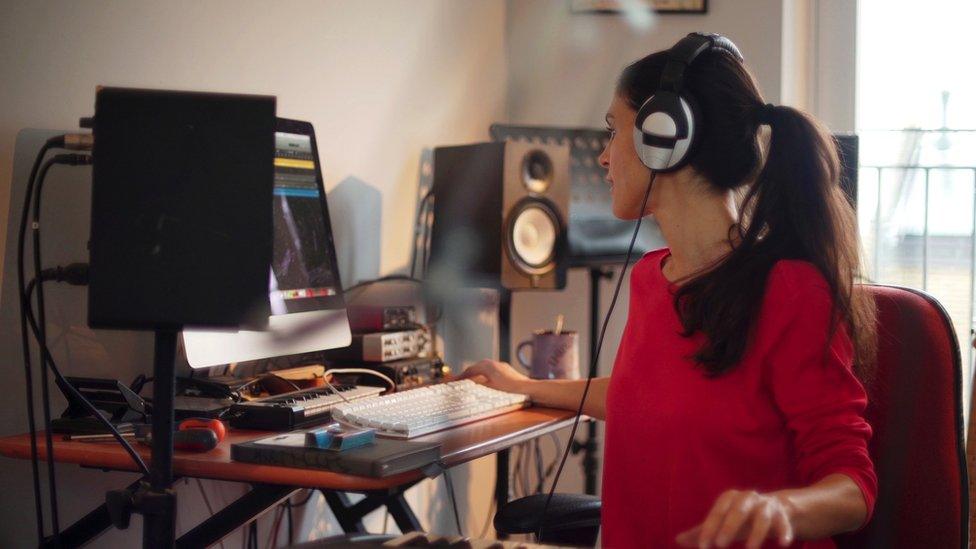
(809, 373)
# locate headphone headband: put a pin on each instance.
(684, 53)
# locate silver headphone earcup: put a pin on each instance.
(664, 153)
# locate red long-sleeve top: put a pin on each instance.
(788, 415)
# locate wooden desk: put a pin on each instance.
(272, 483)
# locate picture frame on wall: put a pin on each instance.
(658, 6)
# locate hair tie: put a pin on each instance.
(764, 113)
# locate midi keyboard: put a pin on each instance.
(297, 409)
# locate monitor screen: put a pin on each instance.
(303, 271)
(307, 309)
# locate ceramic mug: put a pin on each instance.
(554, 356)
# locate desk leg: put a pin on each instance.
(350, 521)
(245, 509)
(350, 515)
(402, 514)
(501, 482)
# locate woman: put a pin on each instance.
(733, 413)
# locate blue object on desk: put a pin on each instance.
(336, 437)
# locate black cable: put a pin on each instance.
(139, 383)
(450, 492)
(78, 397)
(596, 357)
(418, 232)
(41, 337)
(428, 234)
(291, 531)
(54, 142)
(307, 498)
(539, 468)
(69, 159)
(382, 279)
(555, 455)
(76, 275)
(516, 473)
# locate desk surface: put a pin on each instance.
(458, 445)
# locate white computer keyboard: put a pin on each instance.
(427, 409)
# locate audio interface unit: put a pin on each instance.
(383, 347)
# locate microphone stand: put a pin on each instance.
(158, 505)
(155, 500)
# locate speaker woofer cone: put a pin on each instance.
(537, 171)
(532, 236)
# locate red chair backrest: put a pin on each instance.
(915, 410)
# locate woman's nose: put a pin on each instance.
(604, 158)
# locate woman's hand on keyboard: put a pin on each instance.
(497, 375)
(552, 393)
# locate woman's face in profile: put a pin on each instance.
(626, 174)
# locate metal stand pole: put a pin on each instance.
(158, 505)
(504, 355)
(590, 460)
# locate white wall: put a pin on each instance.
(379, 80)
(834, 70)
(563, 65)
(818, 61)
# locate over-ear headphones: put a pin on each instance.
(668, 124)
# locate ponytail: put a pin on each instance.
(793, 208)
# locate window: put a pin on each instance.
(916, 117)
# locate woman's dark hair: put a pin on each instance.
(793, 207)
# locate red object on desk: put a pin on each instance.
(193, 440)
(214, 425)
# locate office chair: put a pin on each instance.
(915, 410)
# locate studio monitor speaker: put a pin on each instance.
(500, 212)
(181, 217)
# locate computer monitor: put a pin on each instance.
(307, 309)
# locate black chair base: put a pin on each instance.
(572, 519)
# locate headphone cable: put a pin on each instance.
(596, 357)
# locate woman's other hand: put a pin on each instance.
(739, 515)
(498, 375)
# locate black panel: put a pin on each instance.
(466, 235)
(181, 229)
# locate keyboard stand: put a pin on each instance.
(350, 515)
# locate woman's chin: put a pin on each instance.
(626, 213)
